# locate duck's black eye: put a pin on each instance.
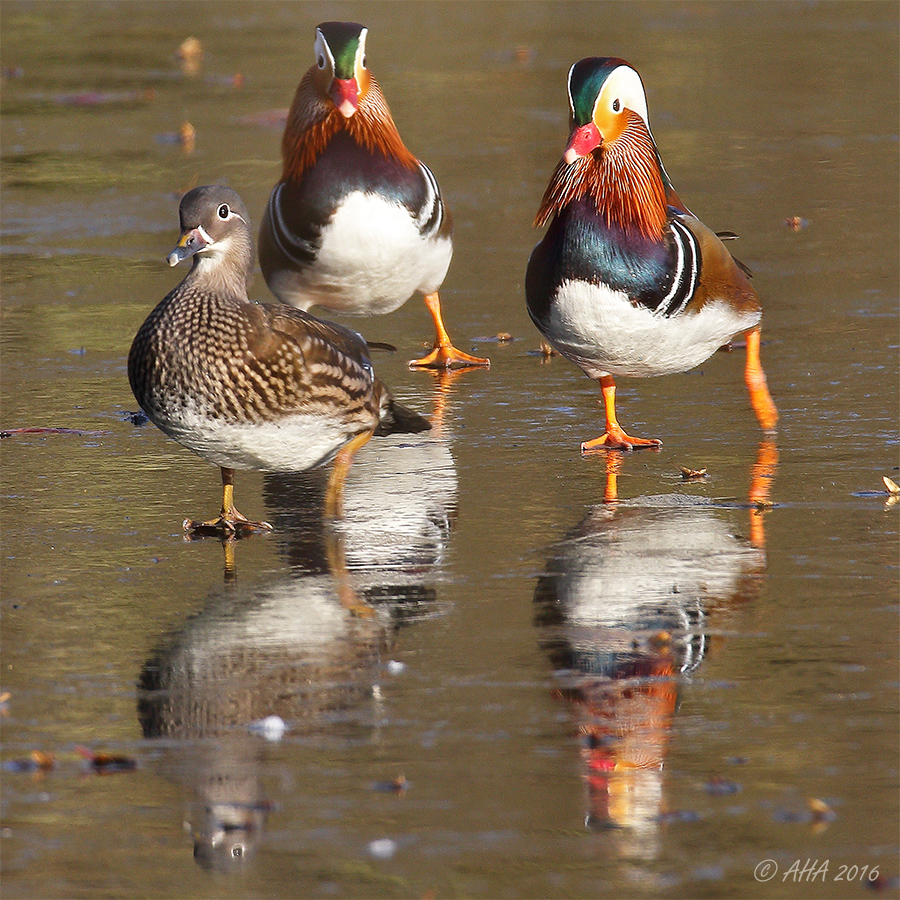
(320, 61)
(224, 211)
(616, 105)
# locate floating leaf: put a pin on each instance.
(796, 223)
(396, 785)
(820, 810)
(106, 763)
(37, 763)
(190, 55)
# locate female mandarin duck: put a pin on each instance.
(627, 281)
(248, 385)
(356, 224)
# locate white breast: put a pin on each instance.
(600, 330)
(372, 258)
(295, 444)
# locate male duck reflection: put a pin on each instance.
(624, 607)
(627, 281)
(356, 224)
(249, 385)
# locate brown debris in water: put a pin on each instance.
(38, 764)
(12, 432)
(187, 137)
(190, 55)
(796, 223)
(398, 785)
(106, 763)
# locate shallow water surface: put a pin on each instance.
(493, 683)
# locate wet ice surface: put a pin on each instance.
(490, 682)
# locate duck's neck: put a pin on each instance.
(623, 180)
(312, 123)
(223, 274)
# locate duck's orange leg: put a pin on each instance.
(614, 438)
(334, 494)
(230, 521)
(761, 477)
(755, 378)
(613, 467)
(444, 355)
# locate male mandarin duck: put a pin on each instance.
(626, 280)
(248, 385)
(356, 224)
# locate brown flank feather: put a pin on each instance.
(622, 177)
(313, 121)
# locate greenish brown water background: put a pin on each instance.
(468, 544)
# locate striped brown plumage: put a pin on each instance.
(249, 385)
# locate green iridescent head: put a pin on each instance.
(343, 45)
(587, 80)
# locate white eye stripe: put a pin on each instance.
(569, 88)
(628, 89)
(233, 214)
(360, 61)
(323, 52)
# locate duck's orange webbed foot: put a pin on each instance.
(448, 357)
(616, 439)
(444, 355)
(230, 522)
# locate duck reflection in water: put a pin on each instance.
(306, 644)
(625, 607)
(399, 507)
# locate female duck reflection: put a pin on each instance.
(399, 506)
(625, 605)
(306, 645)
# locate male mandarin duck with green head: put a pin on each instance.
(626, 280)
(356, 224)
